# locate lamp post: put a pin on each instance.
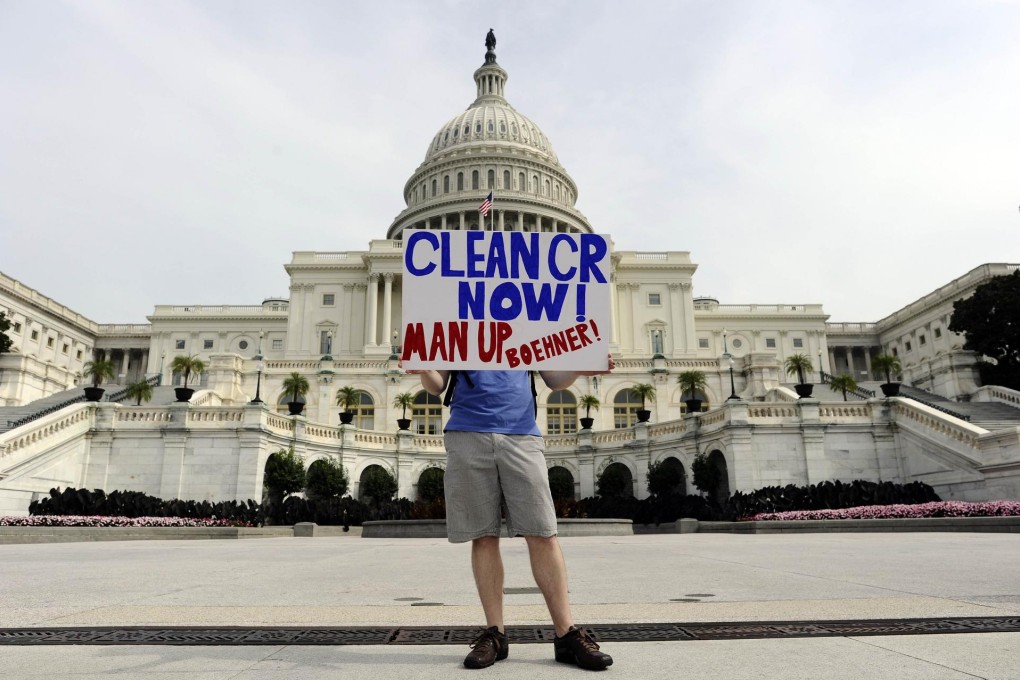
(729, 359)
(260, 366)
(162, 358)
(328, 356)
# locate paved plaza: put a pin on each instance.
(349, 581)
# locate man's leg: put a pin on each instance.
(487, 565)
(550, 571)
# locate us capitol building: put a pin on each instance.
(339, 326)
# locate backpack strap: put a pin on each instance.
(448, 397)
(534, 394)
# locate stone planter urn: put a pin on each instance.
(94, 393)
(586, 423)
(346, 417)
(890, 389)
(643, 415)
(804, 390)
(402, 423)
(693, 405)
(295, 408)
(183, 393)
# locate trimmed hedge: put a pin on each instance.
(137, 504)
(828, 496)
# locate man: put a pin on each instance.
(496, 458)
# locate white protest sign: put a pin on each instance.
(505, 300)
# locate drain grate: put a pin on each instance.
(448, 635)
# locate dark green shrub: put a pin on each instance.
(378, 485)
(615, 480)
(137, 504)
(829, 495)
(665, 477)
(326, 478)
(707, 475)
(285, 474)
(561, 483)
(431, 485)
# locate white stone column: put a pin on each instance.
(622, 306)
(462, 226)
(372, 303)
(443, 222)
(347, 340)
(634, 305)
(677, 339)
(124, 362)
(501, 220)
(614, 308)
(387, 314)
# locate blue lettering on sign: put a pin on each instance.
(474, 258)
(553, 267)
(593, 250)
(448, 269)
(409, 246)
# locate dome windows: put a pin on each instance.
(460, 181)
(491, 127)
(522, 184)
(513, 129)
(474, 179)
(467, 129)
(434, 186)
(506, 179)
(502, 128)
(492, 178)
(478, 128)
(456, 132)
(446, 184)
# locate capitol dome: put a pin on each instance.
(490, 147)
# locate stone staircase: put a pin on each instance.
(986, 415)
(161, 396)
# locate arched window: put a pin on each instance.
(364, 412)
(460, 181)
(625, 408)
(446, 184)
(506, 179)
(561, 413)
(522, 184)
(478, 128)
(427, 414)
(546, 192)
(492, 179)
(556, 192)
(474, 179)
(534, 183)
(467, 129)
(698, 394)
(491, 127)
(434, 185)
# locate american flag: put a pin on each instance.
(486, 205)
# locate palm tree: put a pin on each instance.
(799, 364)
(645, 391)
(843, 383)
(887, 364)
(139, 391)
(589, 402)
(99, 370)
(347, 397)
(296, 385)
(692, 382)
(403, 401)
(186, 365)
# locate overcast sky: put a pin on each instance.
(854, 154)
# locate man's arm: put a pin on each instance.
(559, 380)
(434, 382)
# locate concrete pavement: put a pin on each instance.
(651, 578)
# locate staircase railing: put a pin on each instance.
(121, 394)
(860, 392)
(45, 412)
(933, 404)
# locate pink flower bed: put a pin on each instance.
(97, 521)
(937, 509)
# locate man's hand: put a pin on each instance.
(612, 365)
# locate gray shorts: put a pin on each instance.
(486, 470)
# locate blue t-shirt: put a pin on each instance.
(493, 401)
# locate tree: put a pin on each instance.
(799, 365)
(5, 342)
(99, 370)
(326, 478)
(645, 391)
(186, 365)
(378, 484)
(589, 402)
(888, 364)
(404, 401)
(615, 480)
(843, 383)
(348, 396)
(664, 477)
(431, 485)
(296, 385)
(284, 474)
(139, 391)
(561, 483)
(692, 382)
(707, 475)
(989, 321)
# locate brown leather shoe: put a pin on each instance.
(578, 647)
(488, 648)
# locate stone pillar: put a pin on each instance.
(443, 222)
(813, 438)
(867, 361)
(387, 313)
(174, 447)
(676, 333)
(624, 317)
(635, 304)
(462, 227)
(614, 308)
(371, 304)
(344, 340)
(586, 470)
(501, 225)
(250, 462)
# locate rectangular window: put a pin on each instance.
(49, 342)
(278, 344)
(17, 327)
(67, 348)
(895, 352)
(328, 299)
(907, 345)
(923, 340)
(938, 333)
(770, 343)
(702, 343)
(798, 343)
(179, 344)
(324, 342)
(35, 335)
(654, 300)
(78, 355)
(207, 344)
